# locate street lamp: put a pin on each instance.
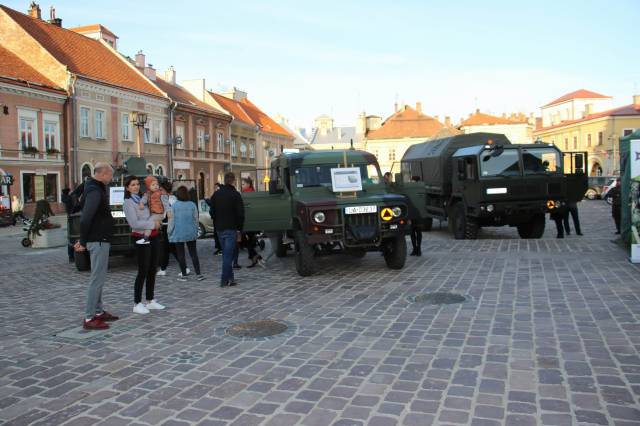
(138, 119)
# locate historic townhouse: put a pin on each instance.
(31, 132)
(103, 87)
(518, 128)
(585, 121)
(199, 132)
(405, 127)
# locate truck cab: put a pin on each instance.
(306, 207)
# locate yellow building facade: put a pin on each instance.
(598, 134)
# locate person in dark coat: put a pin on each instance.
(68, 207)
(557, 215)
(615, 204)
(416, 231)
(227, 211)
(572, 209)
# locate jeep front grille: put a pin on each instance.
(361, 219)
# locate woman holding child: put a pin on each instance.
(144, 227)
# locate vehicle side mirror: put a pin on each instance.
(462, 175)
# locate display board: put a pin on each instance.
(346, 179)
(634, 187)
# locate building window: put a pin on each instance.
(600, 138)
(179, 135)
(252, 151)
(87, 172)
(220, 142)
(627, 132)
(156, 131)
(84, 122)
(39, 187)
(243, 150)
(200, 138)
(589, 140)
(575, 142)
(150, 169)
(159, 171)
(566, 144)
(147, 131)
(126, 127)
(99, 122)
(392, 155)
(233, 148)
(28, 133)
(50, 135)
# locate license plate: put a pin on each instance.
(117, 214)
(360, 209)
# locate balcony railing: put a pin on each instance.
(198, 154)
(18, 154)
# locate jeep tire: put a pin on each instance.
(304, 255)
(532, 229)
(395, 252)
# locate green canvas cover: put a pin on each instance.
(625, 181)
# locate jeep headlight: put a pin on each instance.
(319, 217)
(397, 211)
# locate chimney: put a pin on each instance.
(588, 109)
(339, 133)
(170, 75)
(395, 107)
(419, 107)
(437, 117)
(150, 72)
(636, 101)
(504, 115)
(140, 59)
(477, 110)
(52, 17)
(447, 121)
(34, 10)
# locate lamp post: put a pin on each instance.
(138, 119)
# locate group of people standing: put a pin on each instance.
(161, 223)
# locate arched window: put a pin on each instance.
(160, 170)
(150, 169)
(86, 171)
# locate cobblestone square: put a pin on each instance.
(549, 334)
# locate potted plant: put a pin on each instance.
(51, 151)
(30, 150)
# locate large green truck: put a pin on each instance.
(325, 202)
(481, 179)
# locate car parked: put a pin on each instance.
(597, 186)
(608, 187)
(205, 224)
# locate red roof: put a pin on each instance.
(578, 94)
(480, 119)
(82, 55)
(407, 123)
(93, 28)
(14, 68)
(234, 108)
(266, 123)
(627, 110)
(183, 97)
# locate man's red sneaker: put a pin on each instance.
(95, 324)
(106, 316)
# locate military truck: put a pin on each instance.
(325, 202)
(481, 179)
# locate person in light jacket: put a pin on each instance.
(183, 229)
(140, 221)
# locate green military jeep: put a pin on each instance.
(325, 202)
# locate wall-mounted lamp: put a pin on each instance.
(138, 119)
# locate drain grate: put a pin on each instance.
(438, 298)
(185, 357)
(257, 329)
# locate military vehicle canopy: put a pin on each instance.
(431, 160)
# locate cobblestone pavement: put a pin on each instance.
(549, 335)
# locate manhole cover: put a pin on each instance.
(439, 298)
(257, 329)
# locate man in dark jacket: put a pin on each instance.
(615, 195)
(227, 211)
(96, 230)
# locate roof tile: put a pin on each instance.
(578, 94)
(407, 123)
(15, 68)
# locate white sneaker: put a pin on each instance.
(140, 309)
(161, 273)
(142, 241)
(180, 273)
(154, 305)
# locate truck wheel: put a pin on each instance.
(26, 242)
(395, 252)
(532, 229)
(304, 255)
(427, 224)
(464, 227)
(82, 260)
(281, 249)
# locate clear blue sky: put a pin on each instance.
(303, 59)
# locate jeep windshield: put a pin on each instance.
(499, 162)
(541, 161)
(320, 175)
